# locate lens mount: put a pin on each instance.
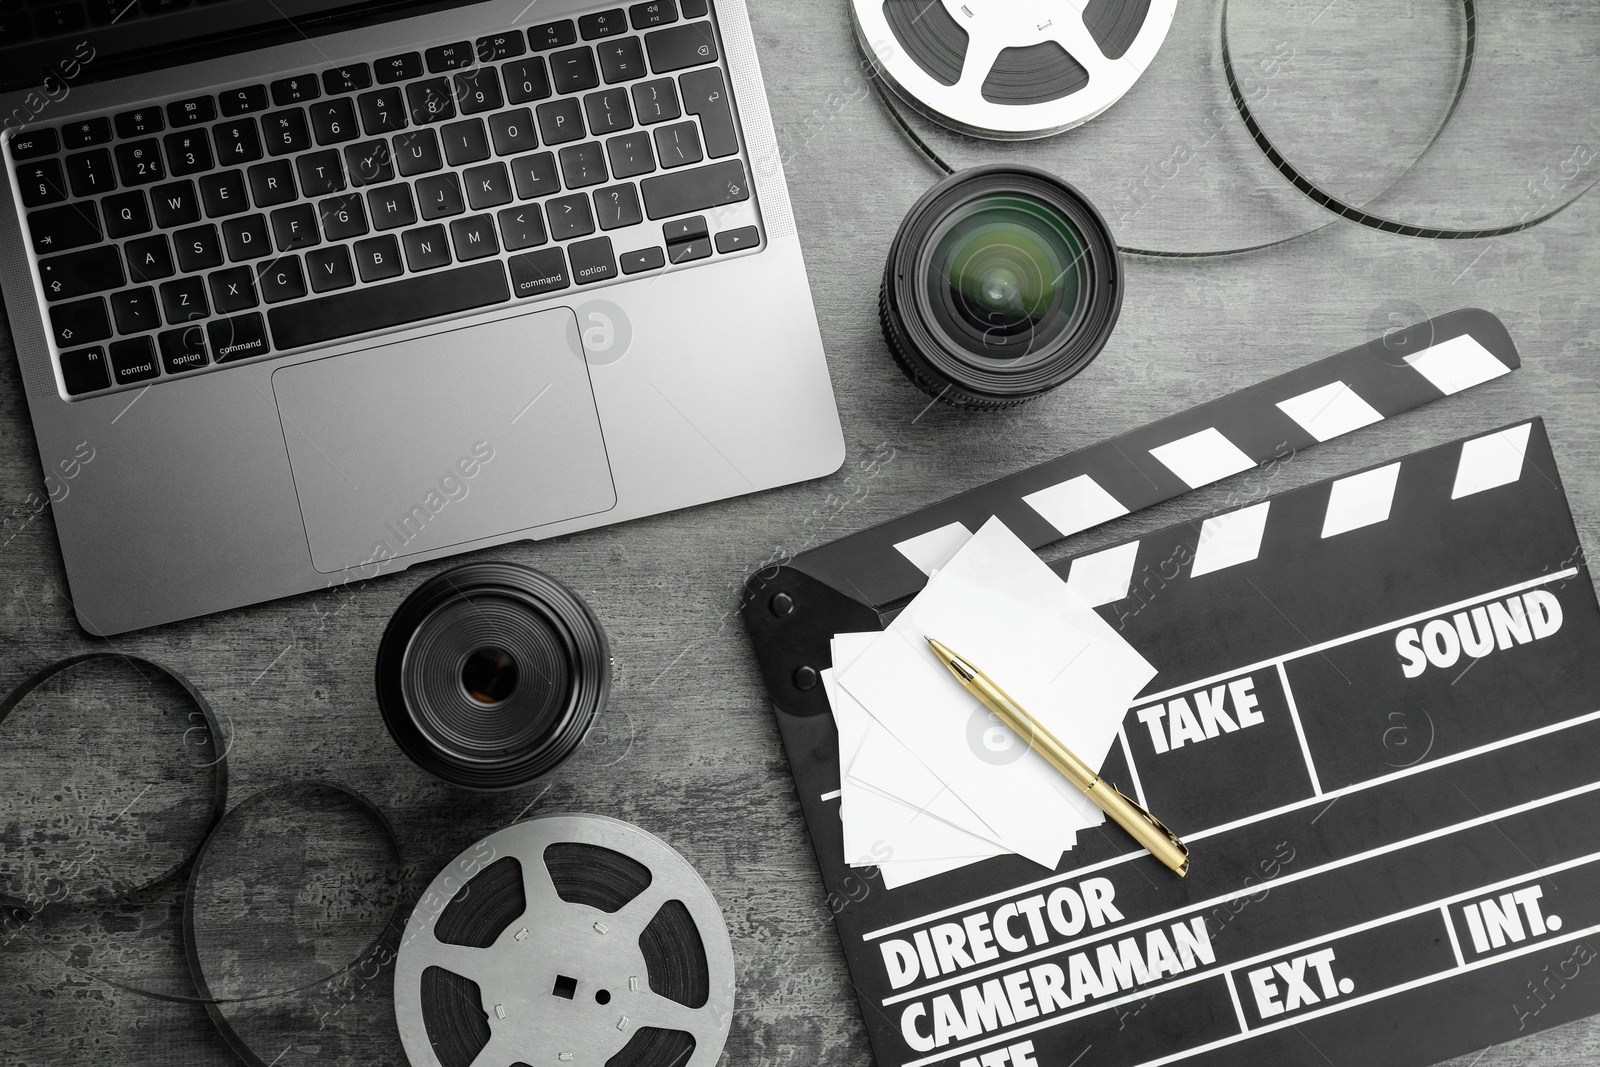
(1002, 283)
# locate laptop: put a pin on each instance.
(303, 293)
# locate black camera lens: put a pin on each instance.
(1002, 283)
(491, 674)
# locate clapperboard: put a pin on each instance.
(1376, 725)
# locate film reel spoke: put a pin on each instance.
(982, 51)
(652, 1009)
(637, 914)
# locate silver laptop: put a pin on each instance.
(306, 293)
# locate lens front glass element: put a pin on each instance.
(1008, 276)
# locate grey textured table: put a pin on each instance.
(687, 748)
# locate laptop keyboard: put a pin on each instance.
(265, 218)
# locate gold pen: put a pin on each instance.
(1144, 827)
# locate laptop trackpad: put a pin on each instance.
(443, 440)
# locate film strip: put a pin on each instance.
(566, 939)
(1374, 725)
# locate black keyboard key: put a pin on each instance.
(188, 152)
(573, 71)
(630, 154)
(334, 121)
(246, 238)
(348, 79)
(621, 60)
(223, 194)
(688, 45)
(583, 164)
(685, 251)
(512, 132)
(149, 258)
(272, 183)
(449, 57)
(184, 300)
(426, 248)
(243, 101)
(183, 350)
(608, 112)
(295, 227)
(391, 207)
(478, 90)
(464, 142)
(642, 260)
(77, 273)
(133, 360)
(239, 337)
(135, 310)
(175, 204)
(161, 7)
(90, 172)
(560, 121)
(430, 101)
(60, 18)
(487, 186)
(285, 132)
(592, 261)
(569, 216)
(35, 143)
(85, 133)
(683, 229)
(398, 68)
(343, 216)
(320, 173)
(382, 111)
(552, 35)
(738, 240)
(282, 280)
(301, 89)
(377, 258)
(602, 24)
(473, 237)
(379, 307)
(41, 182)
(237, 142)
(535, 175)
(521, 227)
(695, 189)
(140, 123)
(526, 80)
(233, 289)
(533, 273)
(84, 371)
(617, 206)
(369, 162)
(439, 196)
(417, 152)
(501, 46)
(655, 13)
(79, 322)
(694, 9)
(56, 229)
(330, 269)
(704, 94)
(191, 112)
(678, 145)
(198, 248)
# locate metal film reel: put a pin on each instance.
(1011, 69)
(565, 939)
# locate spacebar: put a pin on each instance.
(378, 307)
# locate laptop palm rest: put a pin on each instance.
(439, 441)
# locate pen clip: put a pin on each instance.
(1178, 844)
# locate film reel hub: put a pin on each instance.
(566, 934)
(1011, 69)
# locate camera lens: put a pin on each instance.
(1002, 283)
(490, 675)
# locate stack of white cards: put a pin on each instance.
(931, 780)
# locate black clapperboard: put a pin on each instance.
(1376, 725)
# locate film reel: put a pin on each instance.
(565, 939)
(1011, 70)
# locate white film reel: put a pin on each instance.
(1011, 69)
